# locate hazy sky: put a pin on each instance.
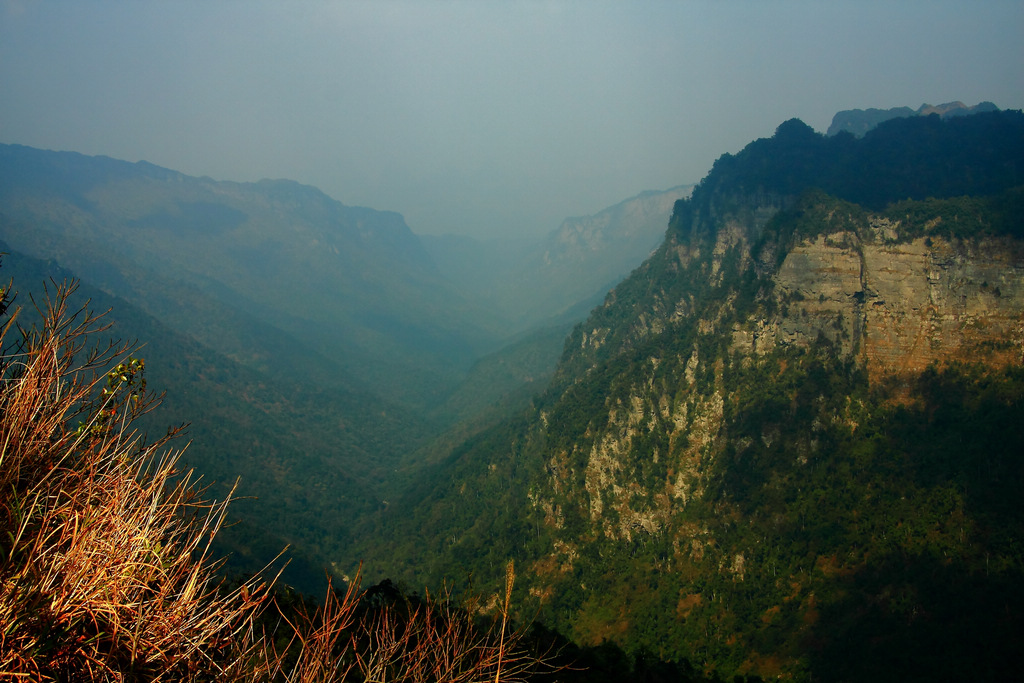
(479, 117)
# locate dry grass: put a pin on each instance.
(437, 640)
(104, 565)
(105, 568)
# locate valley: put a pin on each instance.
(761, 426)
(322, 366)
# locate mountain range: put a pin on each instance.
(319, 352)
(860, 121)
(764, 426)
(352, 287)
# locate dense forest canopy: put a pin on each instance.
(901, 159)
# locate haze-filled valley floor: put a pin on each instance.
(766, 425)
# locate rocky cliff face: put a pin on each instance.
(709, 378)
(897, 306)
(887, 303)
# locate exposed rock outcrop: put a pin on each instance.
(898, 307)
(890, 303)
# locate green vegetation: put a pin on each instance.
(962, 217)
(679, 501)
(866, 524)
(106, 569)
(807, 521)
(307, 459)
(913, 158)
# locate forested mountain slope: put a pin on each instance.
(787, 444)
(351, 287)
(316, 350)
(308, 459)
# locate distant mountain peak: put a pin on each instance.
(860, 121)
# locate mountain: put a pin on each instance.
(350, 287)
(860, 121)
(784, 445)
(316, 351)
(307, 458)
(787, 444)
(313, 348)
(568, 272)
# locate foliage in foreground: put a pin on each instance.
(105, 567)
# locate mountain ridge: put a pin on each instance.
(859, 121)
(359, 284)
(721, 460)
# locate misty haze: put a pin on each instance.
(511, 342)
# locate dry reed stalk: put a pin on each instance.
(439, 640)
(442, 640)
(324, 640)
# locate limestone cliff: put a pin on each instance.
(897, 306)
(883, 298)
